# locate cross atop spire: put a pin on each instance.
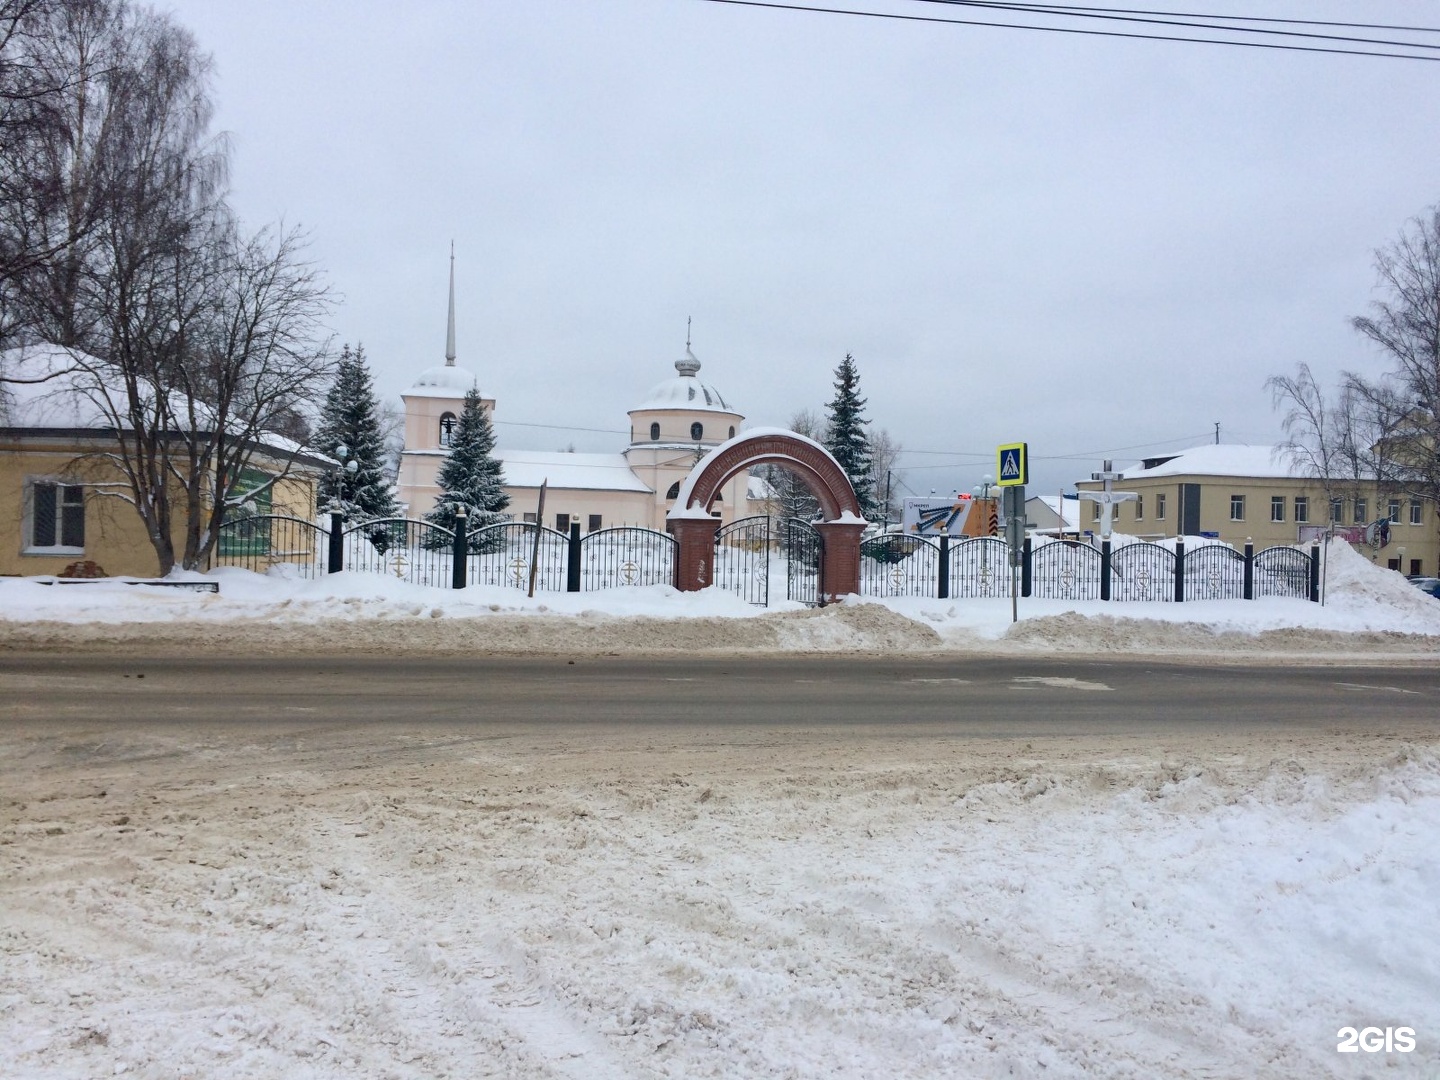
(450, 321)
(689, 365)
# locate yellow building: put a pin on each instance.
(64, 493)
(1240, 493)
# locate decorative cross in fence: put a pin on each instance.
(1109, 498)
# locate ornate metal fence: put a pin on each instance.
(1065, 570)
(502, 555)
(407, 548)
(611, 558)
(742, 559)
(980, 568)
(897, 565)
(1215, 572)
(1142, 572)
(260, 542)
(1282, 572)
(803, 549)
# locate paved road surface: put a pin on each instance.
(977, 697)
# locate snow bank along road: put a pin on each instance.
(324, 886)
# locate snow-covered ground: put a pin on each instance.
(227, 901)
(1366, 609)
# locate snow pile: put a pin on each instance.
(397, 903)
(1367, 608)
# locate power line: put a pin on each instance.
(1165, 18)
(1196, 15)
(1271, 45)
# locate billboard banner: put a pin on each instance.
(937, 516)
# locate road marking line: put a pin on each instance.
(1057, 682)
(1388, 689)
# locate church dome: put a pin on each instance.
(685, 391)
(443, 380)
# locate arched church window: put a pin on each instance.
(448, 424)
(654, 432)
(697, 430)
(732, 431)
(674, 492)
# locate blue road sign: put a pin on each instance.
(1012, 464)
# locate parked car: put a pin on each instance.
(1429, 585)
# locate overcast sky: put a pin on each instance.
(1102, 247)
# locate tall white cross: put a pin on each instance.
(1109, 498)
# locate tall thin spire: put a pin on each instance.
(450, 322)
(688, 365)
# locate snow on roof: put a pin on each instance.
(443, 380)
(57, 389)
(757, 487)
(1066, 511)
(592, 472)
(685, 391)
(1226, 459)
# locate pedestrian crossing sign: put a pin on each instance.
(1012, 464)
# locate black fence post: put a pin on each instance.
(337, 543)
(1104, 569)
(1249, 590)
(1179, 570)
(1027, 578)
(1315, 572)
(945, 566)
(572, 559)
(460, 551)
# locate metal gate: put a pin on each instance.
(1065, 570)
(611, 558)
(980, 568)
(259, 542)
(1214, 572)
(803, 549)
(501, 555)
(408, 548)
(1282, 571)
(742, 559)
(896, 565)
(1142, 572)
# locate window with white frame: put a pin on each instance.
(1362, 512)
(54, 518)
(1237, 507)
(1277, 507)
(1392, 511)
(1160, 507)
(1417, 512)
(1337, 510)
(1302, 509)
(1139, 507)
(1094, 511)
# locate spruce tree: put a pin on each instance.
(351, 416)
(845, 436)
(470, 477)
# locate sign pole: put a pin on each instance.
(539, 524)
(1012, 467)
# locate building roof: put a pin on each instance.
(1226, 459)
(685, 391)
(52, 388)
(444, 380)
(587, 472)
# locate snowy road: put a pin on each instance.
(227, 898)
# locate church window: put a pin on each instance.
(697, 430)
(732, 431)
(447, 429)
(654, 432)
(674, 492)
(594, 525)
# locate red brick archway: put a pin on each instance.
(694, 528)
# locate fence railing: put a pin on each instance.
(890, 565)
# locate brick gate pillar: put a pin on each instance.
(694, 552)
(842, 557)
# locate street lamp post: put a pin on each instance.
(347, 465)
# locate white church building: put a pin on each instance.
(675, 424)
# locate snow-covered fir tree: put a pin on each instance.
(470, 476)
(845, 436)
(351, 417)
